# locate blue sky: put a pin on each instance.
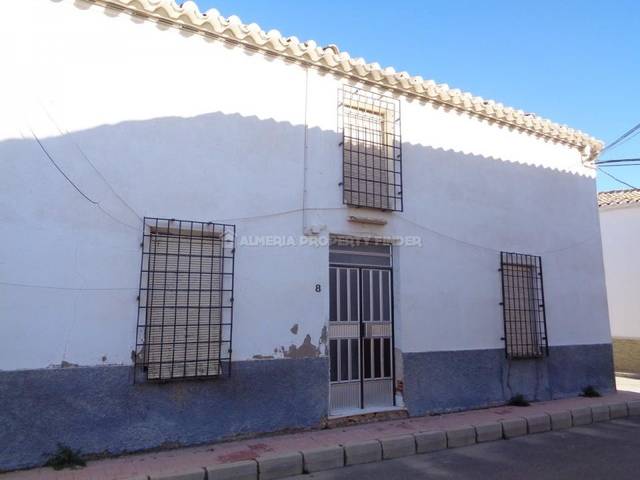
(575, 62)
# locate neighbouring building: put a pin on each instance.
(211, 231)
(620, 224)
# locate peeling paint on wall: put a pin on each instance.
(63, 364)
(263, 357)
(323, 340)
(307, 349)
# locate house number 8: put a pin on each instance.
(318, 287)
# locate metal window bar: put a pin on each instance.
(185, 312)
(369, 123)
(525, 325)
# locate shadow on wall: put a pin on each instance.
(201, 167)
(210, 167)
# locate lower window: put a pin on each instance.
(186, 299)
(525, 327)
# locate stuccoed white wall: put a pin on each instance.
(620, 231)
(189, 128)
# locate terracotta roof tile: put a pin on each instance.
(619, 197)
(231, 28)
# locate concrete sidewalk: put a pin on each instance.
(188, 459)
(628, 382)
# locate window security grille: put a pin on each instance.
(186, 299)
(372, 149)
(525, 327)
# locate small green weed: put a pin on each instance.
(590, 391)
(518, 400)
(65, 457)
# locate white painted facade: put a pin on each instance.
(620, 230)
(179, 126)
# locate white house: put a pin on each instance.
(620, 224)
(210, 231)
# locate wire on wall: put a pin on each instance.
(65, 133)
(84, 195)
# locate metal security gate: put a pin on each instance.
(360, 326)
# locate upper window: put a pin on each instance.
(525, 327)
(186, 299)
(372, 149)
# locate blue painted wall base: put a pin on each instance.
(460, 380)
(100, 410)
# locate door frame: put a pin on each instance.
(361, 327)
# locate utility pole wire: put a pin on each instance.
(622, 138)
(60, 170)
(635, 164)
(618, 160)
(628, 135)
(616, 178)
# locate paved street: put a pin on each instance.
(605, 450)
(628, 383)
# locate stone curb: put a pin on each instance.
(319, 459)
(634, 408)
(279, 466)
(461, 437)
(618, 410)
(430, 441)
(600, 413)
(538, 423)
(193, 474)
(560, 420)
(581, 416)
(396, 447)
(246, 470)
(514, 427)
(488, 432)
(362, 452)
(326, 458)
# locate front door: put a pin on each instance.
(360, 327)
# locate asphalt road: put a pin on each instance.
(609, 450)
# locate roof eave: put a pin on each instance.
(212, 24)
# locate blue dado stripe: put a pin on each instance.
(460, 380)
(100, 410)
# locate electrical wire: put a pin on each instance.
(628, 135)
(256, 217)
(614, 165)
(622, 139)
(50, 287)
(615, 178)
(44, 150)
(299, 210)
(89, 199)
(595, 237)
(67, 134)
(617, 160)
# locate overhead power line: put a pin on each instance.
(618, 160)
(622, 138)
(615, 178)
(625, 137)
(610, 165)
